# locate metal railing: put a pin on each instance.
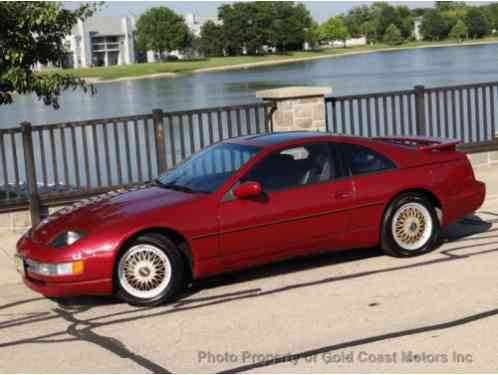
(59, 163)
(465, 112)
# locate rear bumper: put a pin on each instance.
(475, 197)
(469, 201)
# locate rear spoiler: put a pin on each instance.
(426, 144)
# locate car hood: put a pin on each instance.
(107, 208)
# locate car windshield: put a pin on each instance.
(208, 170)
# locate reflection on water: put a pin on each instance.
(347, 75)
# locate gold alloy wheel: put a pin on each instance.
(412, 226)
(144, 271)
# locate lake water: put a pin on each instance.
(358, 74)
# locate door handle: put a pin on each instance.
(345, 194)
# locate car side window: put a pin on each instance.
(363, 160)
(296, 166)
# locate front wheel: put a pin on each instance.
(410, 227)
(149, 271)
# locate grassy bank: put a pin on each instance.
(218, 63)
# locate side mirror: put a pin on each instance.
(249, 189)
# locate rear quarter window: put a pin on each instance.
(363, 160)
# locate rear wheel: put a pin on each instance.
(149, 271)
(410, 226)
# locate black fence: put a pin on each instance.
(464, 112)
(59, 163)
(55, 164)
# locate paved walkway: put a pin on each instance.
(357, 311)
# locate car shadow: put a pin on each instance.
(459, 231)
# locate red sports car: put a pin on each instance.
(247, 201)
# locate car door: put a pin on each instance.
(305, 206)
(372, 177)
(245, 234)
(314, 213)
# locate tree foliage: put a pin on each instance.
(387, 15)
(246, 26)
(491, 13)
(440, 22)
(161, 29)
(32, 32)
(356, 18)
(373, 21)
(477, 23)
(313, 35)
(459, 31)
(447, 6)
(392, 36)
(289, 25)
(250, 26)
(434, 26)
(212, 41)
(334, 29)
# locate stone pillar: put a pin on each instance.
(297, 108)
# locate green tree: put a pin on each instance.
(445, 6)
(254, 25)
(454, 14)
(246, 25)
(211, 42)
(459, 31)
(406, 21)
(369, 29)
(491, 12)
(356, 18)
(32, 32)
(288, 25)
(233, 23)
(334, 29)
(434, 26)
(477, 24)
(386, 15)
(406, 28)
(313, 35)
(160, 29)
(392, 36)
(382, 15)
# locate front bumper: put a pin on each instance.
(96, 279)
(62, 289)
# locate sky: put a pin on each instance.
(321, 10)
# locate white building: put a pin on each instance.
(416, 28)
(195, 22)
(351, 42)
(106, 41)
(103, 41)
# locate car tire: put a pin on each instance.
(410, 226)
(149, 271)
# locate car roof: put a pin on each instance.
(272, 139)
(401, 155)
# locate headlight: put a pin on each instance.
(66, 239)
(56, 269)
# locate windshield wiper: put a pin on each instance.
(185, 189)
(172, 186)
